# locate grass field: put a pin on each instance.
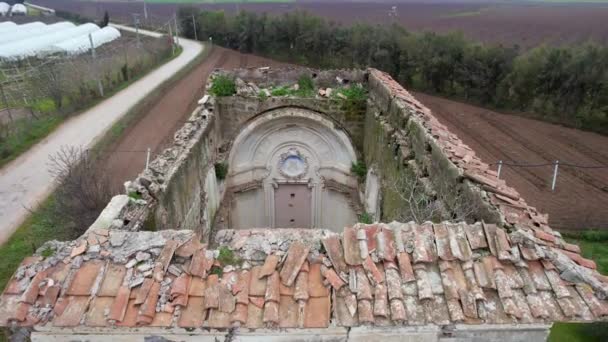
(217, 1)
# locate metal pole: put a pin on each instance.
(194, 25)
(10, 115)
(136, 24)
(555, 168)
(94, 55)
(148, 158)
(499, 168)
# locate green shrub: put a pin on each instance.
(353, 93)
(359, 169)
(262, 95)
(221, 170)
(134, 195)
(366, 218)
(280, 91)
(227, 257)
(223, 86)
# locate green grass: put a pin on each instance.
(35, 231)
(25, 134)
(594, 245)
(41, 225)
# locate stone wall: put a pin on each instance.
(398, 146)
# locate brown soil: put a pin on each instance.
(581, 196)
(526, 24)
(126, 158)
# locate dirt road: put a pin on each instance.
(155, 130)
(26, 181)
(580, 200)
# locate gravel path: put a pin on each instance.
(25, 182)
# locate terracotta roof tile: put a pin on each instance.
(372, 270)
(271, 313)
(218, 319)
(197, 287)
(385, 243)
(130, 317)
(332, 277)
(424, 246)
(352, 253)
(200, 264)
(189, 248)
(162, 319)
(317, 312)
(273, 292)
(296, 255)
(270, 265)
(239, 316)
(180, 289)
(301, 287)
(476, 236)
(423, 282)
(112, 280)
(255, 317)
(31, 293)
(257, 301)
(381, 301)
(212, 292)
(96, 314)
(193, 315)
(241, 288)
(343, 314)
(458, 242)
(143, 290)
(163, 260)
(316, 288)
(539, 278)
(8, 303)
(442, 241)
(393, 283)
(83, 280)
(73, 312)
(119, 305)
(148, 308)
(335, 252)
(257, 286)
(405, 267)
(364, 288)
(288, 312)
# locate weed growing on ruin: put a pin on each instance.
(217, 271)
(359, 169)
(262, 95)
(354, 93)
(280, 91)
(227, 257)
(134, 195)
(221, 170)
(223, 86)
(48, 252)
(366, 218)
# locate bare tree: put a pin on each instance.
(83, 189)
(425, 202)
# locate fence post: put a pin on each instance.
(499, 168)
(147, 158)
(194, 25)
(555, 168)
(94, 55)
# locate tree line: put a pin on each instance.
(567, 85)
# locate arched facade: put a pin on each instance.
(290, 167)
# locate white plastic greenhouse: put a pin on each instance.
(32, 31)
(36, 45)
(10, 30)
(4, 9)
(82, 44)
(18, 9)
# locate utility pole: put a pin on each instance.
(145, 12)
(176, 30)
(136, 24)
(10, 115)
(194, 25)
(94, 56)
(172, 40)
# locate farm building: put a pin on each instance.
(4, 9)
(18, 9)
(272, 250)
(38, 39)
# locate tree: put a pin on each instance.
(106, 20)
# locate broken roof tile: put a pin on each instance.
(342, 313)
(372, 270)
(218, 319)
(239, 316)
(385, 243)
(352, 253)
(557, 284)
(188, 249)
(296, 255)
(163, 260)
(288, 312)
(381, 301)
(226, 300)
(538, 276)
(257, 286)
(405, 267)
(143, 290)
(148, 308)
(301, 287)
(96, 314)
(393, 283)
(424, 246)
(332, 277)
(459, 243)
(364, 288)
(442, 241)
(270, 265)
(255, 317)
(333, 246)
(197, 287)
(423, 282)
(476, 236)
(200, 264)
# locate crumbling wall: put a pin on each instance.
(236, 111)
(403, 151)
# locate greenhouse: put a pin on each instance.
(18, 9)
(4, 9)
(68, 39)
(9, 30)
(32, 31)
(82, 44)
